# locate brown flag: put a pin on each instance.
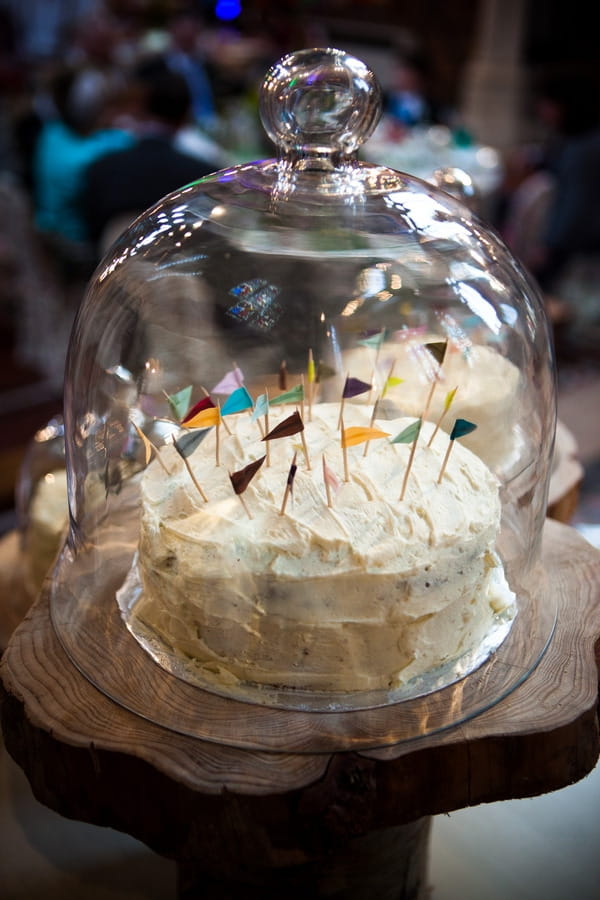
(292, 425)
(241, 479)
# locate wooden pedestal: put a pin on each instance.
(265, 824)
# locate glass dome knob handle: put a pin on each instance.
(320, 102)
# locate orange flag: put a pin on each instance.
(204, 418)
(357, 435)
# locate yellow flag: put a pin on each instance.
(357, 435)
(204, 418)
(391, 382)
(449, 399)
(311, 371)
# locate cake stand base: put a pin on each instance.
(390, 864)
(273, 823)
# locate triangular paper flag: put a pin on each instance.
(232, 380)
(449, 398)
(354, 386)
(204, 419)
(237, 401)
(241, 479)
(330, 477)
(282, 376)
(261, 407)
(374, 340)
(311, 373)
(391, 382)
(294, 395)
(148, 448)
(461, 428)
(357, 435)
(323, 372)
(437, 350)
(187, 443)
(205, 403)
(180, 401)
(292, 425)
(409, 434)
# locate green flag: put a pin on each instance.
(294, 395)
(180, 401)
(409, 434)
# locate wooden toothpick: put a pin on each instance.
(447, 404)
(339, 425)
(326, 480)
(195, 480)
(225, 425)
(304, 444)
(410, 461)
(217, 437)
(344, 453)
(311, 382)
(288, 486)
(371, 423)
(245, 505)
(268, 449)
(445, 462)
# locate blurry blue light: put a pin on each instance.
(226, 10)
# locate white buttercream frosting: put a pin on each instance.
(360, 596)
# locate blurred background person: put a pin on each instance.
(185, 55)
(122, 184)
(408, 101)
(552, 216)
(82, 130)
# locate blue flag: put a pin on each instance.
(237, 401)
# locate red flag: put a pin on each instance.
(200, 406)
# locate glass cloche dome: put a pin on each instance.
(309, 417)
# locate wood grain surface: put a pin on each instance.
(305, 823)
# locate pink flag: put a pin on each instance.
(330, 477)
(230, 382)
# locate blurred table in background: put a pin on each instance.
(422, 151)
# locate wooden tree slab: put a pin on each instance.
(257, 817)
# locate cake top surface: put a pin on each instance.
(365, 528)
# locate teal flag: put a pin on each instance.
(410, 433)
(461, 428)
(237, 401)
(295, 395)
(180, 401)
(374, 340)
